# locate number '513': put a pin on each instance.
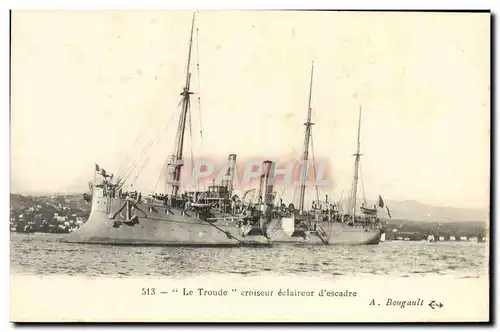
(148, 291)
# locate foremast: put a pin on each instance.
(305, 155)
(177, 162)
(357, 155)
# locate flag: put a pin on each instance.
(97, 168)
(388, 212)
(380, 201)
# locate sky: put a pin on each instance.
(96, 87)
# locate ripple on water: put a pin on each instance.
(41, 255)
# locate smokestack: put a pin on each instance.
(230, 173)
(268, 184)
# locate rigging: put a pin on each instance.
(198, 80)
(305, 155)
(177, 162)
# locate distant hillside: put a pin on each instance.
(416, 211)
(19, 202)
(419, 230)
(47, 214)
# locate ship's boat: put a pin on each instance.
(382, 238)
(368, 211)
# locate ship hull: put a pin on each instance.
(174, 227)
(157, 227)
(335, 233)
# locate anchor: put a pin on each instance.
(128, 220)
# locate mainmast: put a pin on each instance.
(305, 156)
(177, 162)
(356, 171)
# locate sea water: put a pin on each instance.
(43, 254)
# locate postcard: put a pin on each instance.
(250, 166)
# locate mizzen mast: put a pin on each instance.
(357, 156)
(177, 162)
(305, 156)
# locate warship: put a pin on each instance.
(195, 218)
(216, 216)
(324, 223)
